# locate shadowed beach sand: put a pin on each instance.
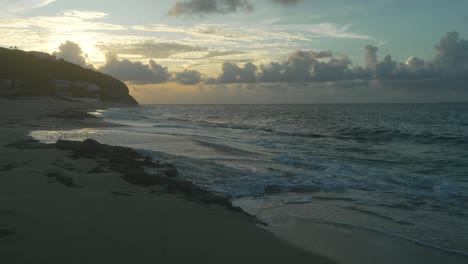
(55, 208)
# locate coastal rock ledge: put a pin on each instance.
(134, 168)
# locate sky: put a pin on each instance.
(262, 51)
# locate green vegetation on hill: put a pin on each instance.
(34, 75)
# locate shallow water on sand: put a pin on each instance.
(398, 169)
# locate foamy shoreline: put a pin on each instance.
(101, 218)
(88, 212)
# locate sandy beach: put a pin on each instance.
(60, 208)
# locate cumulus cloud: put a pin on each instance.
(414, 63)
(71, 52)
(200, 7)
(135, 72)
(386, 68)
(371, 56)
(231, 73)
(301, 66)
(449, 66)
(187, 77)
(452, 54)
(306, 66)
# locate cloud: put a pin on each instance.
(335, 69)
(200, 7)
(231, 73)
(135, 72)
(452, 55)
(313, 77)
(450, 66)
(333, 30)
(320, 76)
(16, 6)
(45, 33)
(447, 70)
(371, 56)
(301, 66)
(287, 2)
(218, 53)
(85, 15)
(306, 66)
(71, 52)
(187, 77)
(414, 63)
(179, 45)
(386, 69)
(151, 49)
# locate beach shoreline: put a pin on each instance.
(55, 208)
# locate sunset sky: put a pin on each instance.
(262, 51)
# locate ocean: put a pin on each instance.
(396, 169)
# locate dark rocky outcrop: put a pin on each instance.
(92, 149)
(72, 114)
(132, 164)
(6, 232)
(64, 180)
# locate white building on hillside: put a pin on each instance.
(92, 87)
(61, 84)
(65, 84)
(6, 84)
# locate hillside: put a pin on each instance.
(31, 75)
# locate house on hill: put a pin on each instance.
(71, 85)
(61, 84)
(86, 86)
(6, 84)
(10, 87)
(80, 91)
(43, 55)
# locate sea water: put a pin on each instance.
(399, 169)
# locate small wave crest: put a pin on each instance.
(445, 190)
(176, 119)
(236, 126)
(366, 134)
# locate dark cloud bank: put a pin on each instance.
(446, 72)
(450, 65)
(135, 72)
(202, 7)
(194, 7)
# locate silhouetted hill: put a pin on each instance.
(31, 75)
